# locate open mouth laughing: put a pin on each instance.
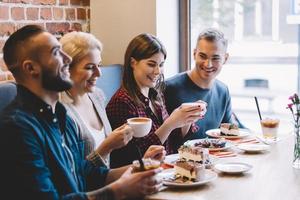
(208, 70)
(92, 82)
(65, 71)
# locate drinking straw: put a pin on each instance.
(142, 166)
(257, 106)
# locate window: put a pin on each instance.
(262, 46)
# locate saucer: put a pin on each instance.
(253, 148)
(233, 167)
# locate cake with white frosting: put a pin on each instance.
(190, 170)
(193, 153)
(229, 129)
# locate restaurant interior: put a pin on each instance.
(264, 62)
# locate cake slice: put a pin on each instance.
(191, 170)
(193, 153)
(229, 129)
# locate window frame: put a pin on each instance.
(184, 35)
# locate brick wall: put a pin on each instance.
(55, 15)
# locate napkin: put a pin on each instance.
(223, 154)
(245, 141)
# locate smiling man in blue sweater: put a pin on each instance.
(200, 83)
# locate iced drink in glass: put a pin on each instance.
(269, 128)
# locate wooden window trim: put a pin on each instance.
(184, 36)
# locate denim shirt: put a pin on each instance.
(41, 155)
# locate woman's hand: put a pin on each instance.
(186, 128)
(185, 115)
(203, 108)
(120, 136)
(116, 139)
(156, 152)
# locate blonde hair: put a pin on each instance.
(78, 45)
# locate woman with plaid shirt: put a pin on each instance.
(85, 102)
(141, 96)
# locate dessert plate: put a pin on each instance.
(216, 134)
(253, 148)
(197, 141)
(233, 167)
(171, 159)
(168, 177)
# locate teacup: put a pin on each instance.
(141, 126)
(202, 104)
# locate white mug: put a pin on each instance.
(202, 104)
(141, 126)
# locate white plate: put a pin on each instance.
(216, 134)
(171, 159)
(233, 167)
(169, 173)
(193, 142)
(253, 147)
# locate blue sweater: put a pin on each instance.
(181, 88)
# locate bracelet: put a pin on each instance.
(96, 159)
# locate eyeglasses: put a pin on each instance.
(213, 60)
(216, 59)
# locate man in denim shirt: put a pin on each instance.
(41, 156)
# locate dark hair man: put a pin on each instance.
(200, 83)
(41, 155)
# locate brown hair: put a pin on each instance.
(142, 47)
(15, 44)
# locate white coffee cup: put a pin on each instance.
(141, 126)
(202, 104)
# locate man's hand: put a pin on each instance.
(135, 185)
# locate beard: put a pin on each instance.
(55, 82)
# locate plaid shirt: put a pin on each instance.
(122, 107)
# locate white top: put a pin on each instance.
(98, 135)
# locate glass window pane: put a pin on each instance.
(262, 46)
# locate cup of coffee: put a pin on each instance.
(141, 126)
(269, 128)
(202, 104)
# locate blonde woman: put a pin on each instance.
(85, 102)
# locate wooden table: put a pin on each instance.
(271, 178)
